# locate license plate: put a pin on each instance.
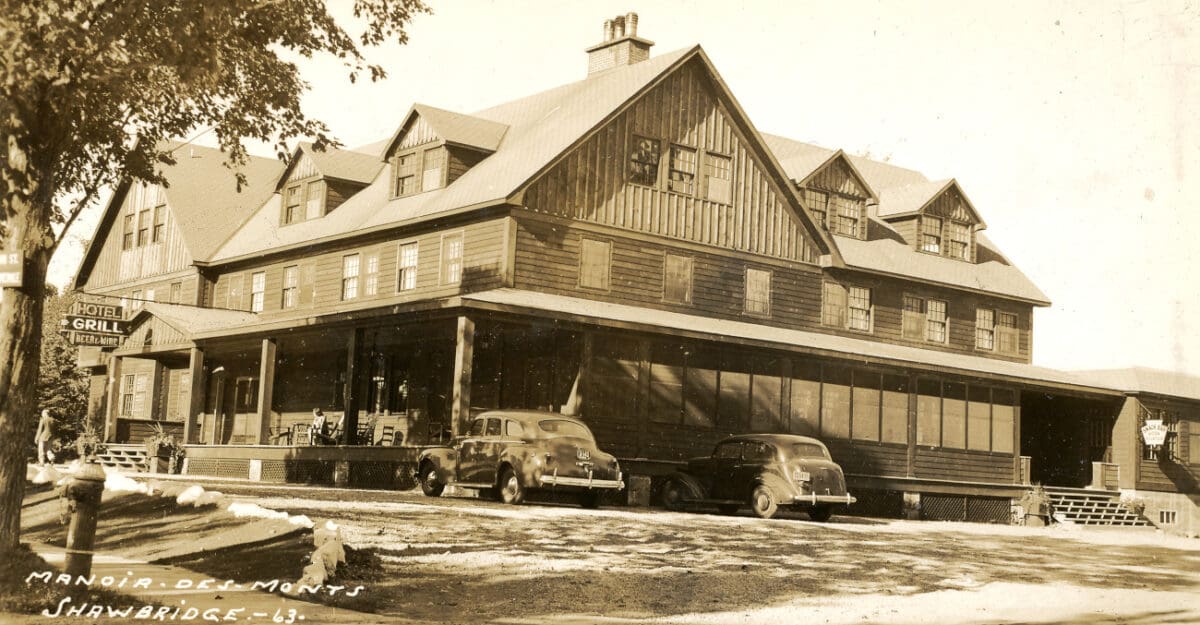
(802, 476)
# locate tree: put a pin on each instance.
(90, 89)
(62, 386)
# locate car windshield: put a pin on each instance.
(808, 450)
(562, 427)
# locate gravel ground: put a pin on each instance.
(462, 560)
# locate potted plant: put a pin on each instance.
(163, 452)
(89, 444)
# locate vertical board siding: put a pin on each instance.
(114, 265)
(591, 183)
(418, 132)
(838, 177)
(955, 464)
(305, 168)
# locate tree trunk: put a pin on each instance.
(20, 356)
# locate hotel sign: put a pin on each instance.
(99, 325)
(1154, 432)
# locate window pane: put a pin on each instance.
(291, 279)
(806, 398)
(767, 401)
(954, 416)
(913, 318)
(859, 305)
(615, 372)
(835, 403)
(643, 161)
(408, 267)
(700, 389)
(985, 322)
(1002, 428)
(594, 261)
(316, 200)
(931, 234)
(452, 254)
(866, 406)
(936, 321)
(677, 279)
(845, 215)
(681, 177)
(833, 305)
(372, 285)
(350, 276)
(493, 427)
(979, 419)
(666, 384)
(929, 413)
(431, 177)
(895, 409)
(734, 395)
(719, 172)
(818, 205)
(758, 291)
(959, 243)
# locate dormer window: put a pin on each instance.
(958, 240)
(302, 201)
(418, 170)
(837, 213)
(946, 237)
(931, 234)
(432, 174)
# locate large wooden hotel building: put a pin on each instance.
(628, 248)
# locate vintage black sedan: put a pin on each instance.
(764, 472)
(511, 452)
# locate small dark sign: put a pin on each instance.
(94, 340)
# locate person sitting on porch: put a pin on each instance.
(319, 434)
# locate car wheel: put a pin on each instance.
(511, 491)
(430, 485)
(673, 496)
(728, 508)
(763, 502)
(589, 499)
(820, 514)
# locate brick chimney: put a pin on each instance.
(621, 45)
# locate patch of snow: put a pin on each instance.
(46, 474)
(243, 509)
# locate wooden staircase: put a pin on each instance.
(124, 457)
(1092, 507)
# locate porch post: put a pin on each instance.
(266, 388)
(911, 456)
(195, 403)
(1016, 443)
(353, 383)
(114, 399)
(464, 355)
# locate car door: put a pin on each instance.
(756, 456)
(469, 452)
(490, 447)
(726, 456)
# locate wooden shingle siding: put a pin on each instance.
(591, 183)
(337, 192)
(547, 259)
(320, 276)
(114, 265)
(953, 464)
(418, 132)
(460, 160)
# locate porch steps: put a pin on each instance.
(1093, 507)
(126, 457)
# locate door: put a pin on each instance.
(726, 457)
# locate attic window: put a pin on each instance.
(718, 172)
(958, 241)
(931, 234)
(303, 201)
(682, 178)
(433, 169)
(643, 161)
(405, 168)
(846, 216)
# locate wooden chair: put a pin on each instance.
(366, 431)
(281, 436)
(387, 436)
(321, 438)
(301, 434)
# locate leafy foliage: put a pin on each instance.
(62, 386)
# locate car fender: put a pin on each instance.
(784, 491)
(444, 462)
(520, 458)
(692, 486)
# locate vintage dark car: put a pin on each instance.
(764, 472)
(511, 452)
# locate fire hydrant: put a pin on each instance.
(83, 495)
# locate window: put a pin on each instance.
(954, 415)
(1006, 333)
(127, 382)
(1168, 517)
(407, 278)
(758, 291)
(894, 424)
(833, 305)
(643, 161)
(136, 300)
(160, 223)
(149, 295)
(246, 394)
(514, 428)
(681, 178)
(405, 168)
(866, 401)
(935, 321)
(143, 236)
(846, 215)
(350, 276)
(594, 264)
(291, 284)
(431, 174)
(931, 234)
(1193, 442)
(859, 307)
(314, 203)
(958, 242)
(176, 292)
(913, 318)
(1169, 450)
(258, 287)
(452, 258)
(141, 384)
(677, 279)
(718, 173)
(372, 284)
(292, 200)
(127, 238)
(985, 328)
(818, 205)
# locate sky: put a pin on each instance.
(1072, 126)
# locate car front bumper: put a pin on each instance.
(555, 479)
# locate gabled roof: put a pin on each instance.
(1146, 380)
(540, 129)
(455, 128)
(349, 165)
(802, 161)
(911, 199)
(203, 197)
(882, 175)
(191, 320)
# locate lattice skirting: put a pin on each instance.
(219, 467)
(884, 504)
(966, 508)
